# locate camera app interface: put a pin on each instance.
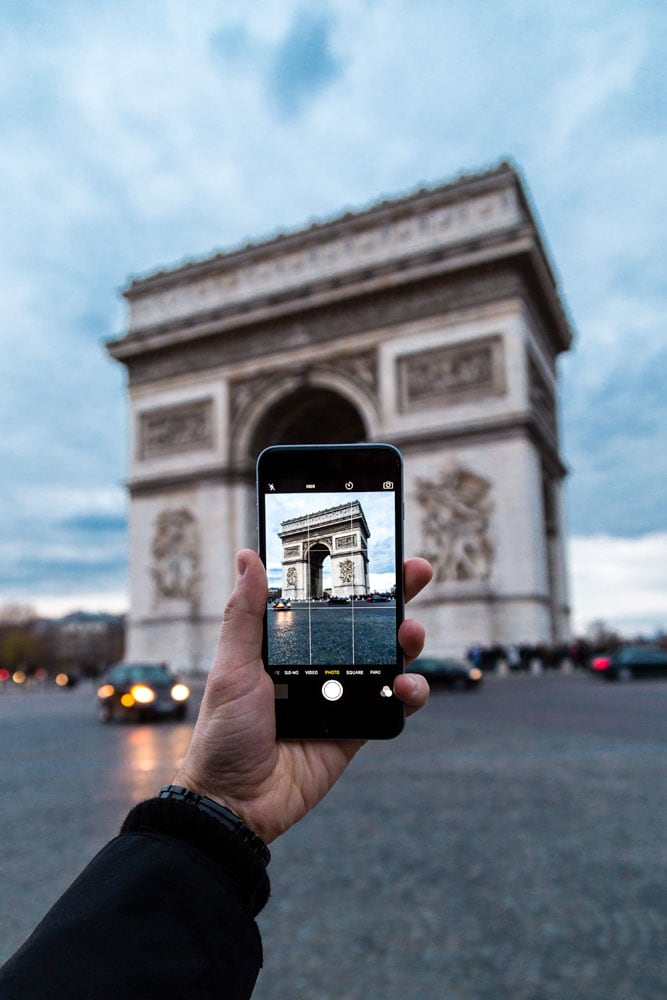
(331, 563)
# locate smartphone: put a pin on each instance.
(330, 520)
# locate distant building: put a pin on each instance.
(87, 642)
(431, 321)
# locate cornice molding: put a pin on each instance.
(224, 344)
(379, 214)
(175, 481)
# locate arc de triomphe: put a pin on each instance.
(340, 533)
(432, 321)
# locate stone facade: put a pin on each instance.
(339, 534)
(432, 322)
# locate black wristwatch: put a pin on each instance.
(223, 815)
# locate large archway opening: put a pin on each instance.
(310, 415)
(319, 579)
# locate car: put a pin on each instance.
(140, 691)
(629, 662)
(448, 671)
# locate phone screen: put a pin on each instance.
(331, 537)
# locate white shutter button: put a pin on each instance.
(332, 690)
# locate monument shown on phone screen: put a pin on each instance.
(332, 558)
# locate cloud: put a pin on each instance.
(303, 63)
(612, 426)
(64, 540)
(218, 124)
(55, 606)
(622, 581)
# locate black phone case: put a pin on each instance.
(339, 700)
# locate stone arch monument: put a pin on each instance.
(433, 322)
(339, 533)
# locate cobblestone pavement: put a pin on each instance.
(510, 844)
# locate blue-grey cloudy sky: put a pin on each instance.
(137, 134)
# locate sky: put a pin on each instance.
(136, 135)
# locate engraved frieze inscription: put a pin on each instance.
(451, 374)
(455, 522)
(174, 429)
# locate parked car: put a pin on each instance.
(448, 671)
(632, 661)
(141, 691)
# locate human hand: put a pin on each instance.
(234, 756)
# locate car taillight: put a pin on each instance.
(601, 663)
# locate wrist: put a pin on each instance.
(184, 780)
(240, 858)
(222, 813)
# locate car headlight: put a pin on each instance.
(103, 692)
(180, 692)
(475, 674)
(142, 694)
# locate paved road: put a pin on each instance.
(509, 846)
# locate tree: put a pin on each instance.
(20, 648)
(13, 614)
(602, 635)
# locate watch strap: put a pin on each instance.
(238, 864)
(222, 814)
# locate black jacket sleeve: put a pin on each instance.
(166, 910)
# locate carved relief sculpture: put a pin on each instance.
(175, 553)
(448, 374)
(173, 429)
(346, 542)
(542, 401)
(456, 525)
(291, 577)
(346, 568)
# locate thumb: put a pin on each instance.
(240, 639)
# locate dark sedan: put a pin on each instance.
(632, 661)
(447, 671)
(141, 691)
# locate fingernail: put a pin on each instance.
(241, 564)
(414, 686)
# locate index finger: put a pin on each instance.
(417, 572)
